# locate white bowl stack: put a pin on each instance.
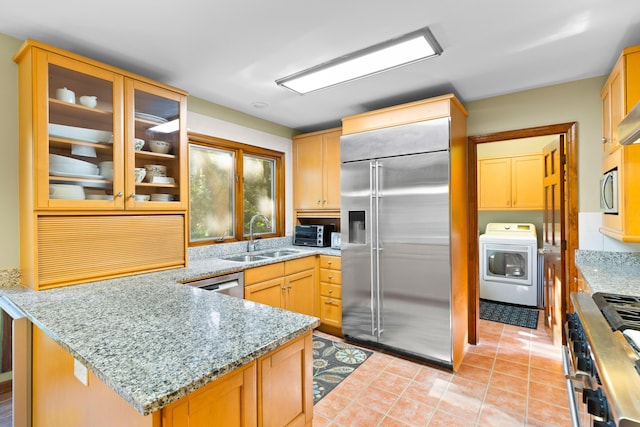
(106, 170)
(70, 166)
(66, 191)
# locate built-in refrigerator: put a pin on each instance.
(396, 257)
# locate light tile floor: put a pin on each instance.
(513, 377)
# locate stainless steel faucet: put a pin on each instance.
(252, 246)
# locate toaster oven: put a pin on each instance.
(312, 235)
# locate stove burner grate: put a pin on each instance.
(621, 311)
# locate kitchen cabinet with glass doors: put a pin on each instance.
(100, 148)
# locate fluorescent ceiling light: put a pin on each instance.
(384, 56)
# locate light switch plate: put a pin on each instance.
(81, 372)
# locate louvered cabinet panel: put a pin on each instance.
(74, 249)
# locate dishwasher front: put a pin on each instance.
(230, 284)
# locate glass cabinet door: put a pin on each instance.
(155, 145)
(81, 157)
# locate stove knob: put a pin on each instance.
(572, 321)
(589, 393)
(596, 404)
(576, 336)
(580, 348)
(585, 364)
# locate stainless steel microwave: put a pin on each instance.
(312, 235)
(609, 192)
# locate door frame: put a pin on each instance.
(569, 130)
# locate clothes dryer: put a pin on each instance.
(508, 263)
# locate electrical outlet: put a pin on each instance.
(81, 372)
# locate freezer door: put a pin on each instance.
(359, 303)
(414, 254)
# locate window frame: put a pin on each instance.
(240, 150)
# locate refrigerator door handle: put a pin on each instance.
(372, 263)
(379, 328)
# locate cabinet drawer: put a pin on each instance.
(331, 311)
(332, 262)
(329, 290)
(300, 264)
(331, 276)
(266, 272)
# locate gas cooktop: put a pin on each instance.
(621, 311)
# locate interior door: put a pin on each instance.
(554, 243)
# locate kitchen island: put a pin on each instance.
(154, 343)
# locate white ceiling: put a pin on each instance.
(231, 52)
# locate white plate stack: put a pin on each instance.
(161, 197)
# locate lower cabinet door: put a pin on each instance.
(269, 292)
(229, 401)
(286, 385)
(300, 290)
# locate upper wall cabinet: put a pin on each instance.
(510, 183)
(620, 94)
(103, 170)
(86, 122)
(316, 174)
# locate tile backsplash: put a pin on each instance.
(590, 237)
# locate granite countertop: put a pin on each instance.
(610, 272)
(154, 340)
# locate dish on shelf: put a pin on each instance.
(70, 165)
(74, 175)
(161, 197)
(162, 180)
(80, 134)
(99, 197)
(151, 117)
(66, 191)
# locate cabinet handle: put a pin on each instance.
(324, 202)
(132, 195)
(330, 291)
(119, 194)
(330, 262)
(604, 140)
(330, 277)
(318, 202)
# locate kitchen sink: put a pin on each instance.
(277, 254)
(245, 258)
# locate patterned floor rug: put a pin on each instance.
(333, 362)
(509, 314)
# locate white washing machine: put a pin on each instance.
(508, 263)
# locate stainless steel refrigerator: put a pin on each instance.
(395, 217)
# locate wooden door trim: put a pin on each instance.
(569, 129)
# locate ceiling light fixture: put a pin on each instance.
(407, 49)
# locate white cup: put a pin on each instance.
(66, 95)
(89, 101)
